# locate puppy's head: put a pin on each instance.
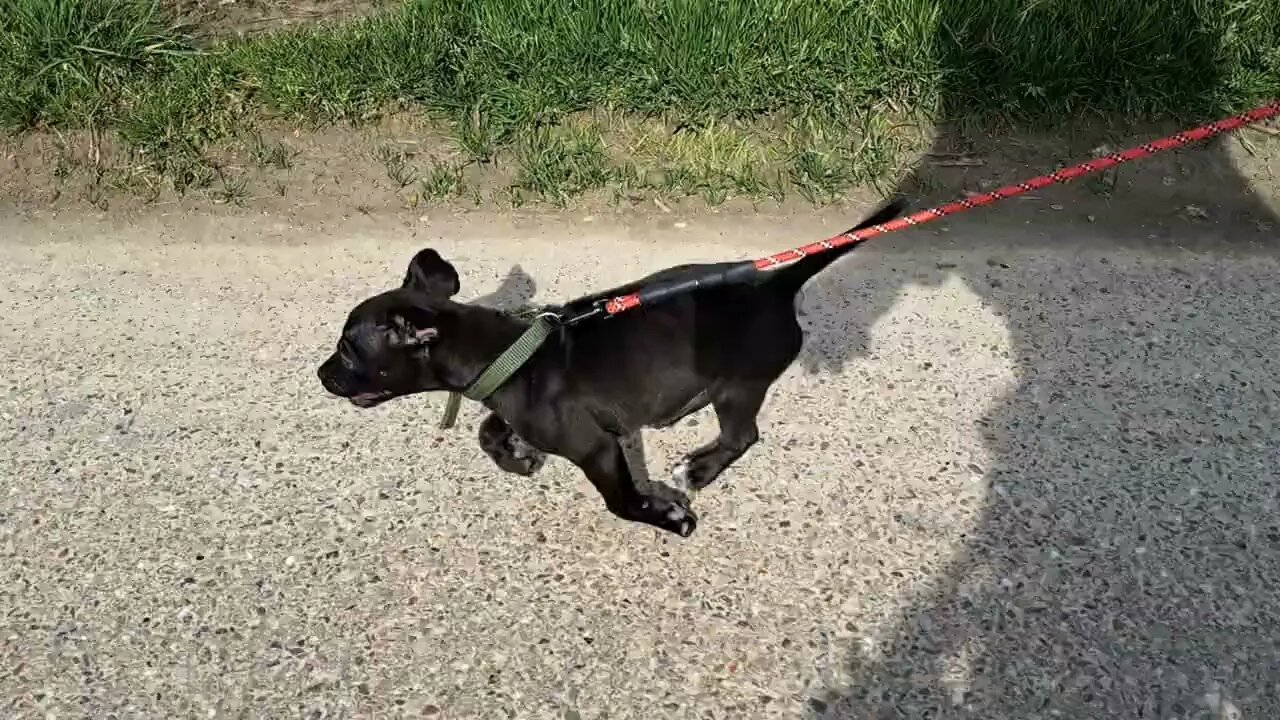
(385, 350)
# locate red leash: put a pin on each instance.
(1064, 175)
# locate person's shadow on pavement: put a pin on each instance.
(1127, 561)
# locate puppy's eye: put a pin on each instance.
(383, 373)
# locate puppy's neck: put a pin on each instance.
(480, 335)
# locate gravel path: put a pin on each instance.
(1008, 480)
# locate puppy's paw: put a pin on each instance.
(507, 450)
(669, 510)
(527, 457)
(517, 458)
(524, 467)
(684, 521)
(665, 494)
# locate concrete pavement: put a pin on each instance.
(1024, 477)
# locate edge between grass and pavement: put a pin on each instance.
(544, 101)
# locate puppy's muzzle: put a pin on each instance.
(331, 377)
(337, 380)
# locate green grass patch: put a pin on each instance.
(557, 165)
(507, 76)
(61, 60)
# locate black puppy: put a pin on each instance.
(594, 385)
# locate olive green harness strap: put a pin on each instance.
(501, 369)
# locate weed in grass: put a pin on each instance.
(818, 176)
(95, 192)
(410, 55)
(444, 180)
(136, 182)
(145, 186)
(396, 161)
(477, 136)
(723, 160)
(63, 61)
(675, 181)
(171, 124)
(712, 160)
(630, 181)
(64, 160)
(62, 167)
(232, 189)
(186, 171)
(270, 153)
(96, 195)
(874, 152)
(822, 163)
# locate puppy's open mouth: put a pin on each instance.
(368, 400)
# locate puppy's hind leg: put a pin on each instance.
(736, 408)
(633, 451)
(601, 458)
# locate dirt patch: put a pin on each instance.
(387, 169)
(220, 19)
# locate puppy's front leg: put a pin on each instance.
(507, 449)
(602, 459)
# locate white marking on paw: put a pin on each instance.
(536, 463)
(522, 449)
(680, 478)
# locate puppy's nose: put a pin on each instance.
(329, 380)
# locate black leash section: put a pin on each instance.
(738, 272)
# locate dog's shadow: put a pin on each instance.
(513, 294)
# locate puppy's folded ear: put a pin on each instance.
(414, 329)
(432, 275)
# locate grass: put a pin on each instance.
(559, 165)
(60, 59)
(445, 180)
(715, 97)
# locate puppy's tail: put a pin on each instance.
(798, 273)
